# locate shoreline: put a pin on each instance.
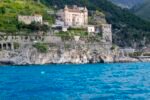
(22, 65)
(28, 55)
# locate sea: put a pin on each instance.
(118, 81)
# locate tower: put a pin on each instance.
(85, 16)
(66, 15)
(107, 32)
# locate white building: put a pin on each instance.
(64, 29)
(75, 16)
(91, 29)
(30, 19)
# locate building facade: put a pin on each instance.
(30, 19)
(75, 16)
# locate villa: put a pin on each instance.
(75, 16)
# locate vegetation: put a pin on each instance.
(64, 35)
(142, 10)
(113, 47)
(72, 32)
(10, 9)
(146, 54)
(16, 45)
(127, 3)
(34, 26)
(135, 54)
(41, 47)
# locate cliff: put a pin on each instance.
(30, 55)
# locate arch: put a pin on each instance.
(4, 46)
(9, 46)
(1, 47)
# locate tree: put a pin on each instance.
(2, 10)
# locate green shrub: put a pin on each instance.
(64, 35)
(146, 54)
(41, 47)
(16, 45)
(2, 10)
(135, 54)
(34, 26)
(77, 29)
(113, 47)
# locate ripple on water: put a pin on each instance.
(69, 82)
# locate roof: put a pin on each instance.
(37, 15)
(76, 9)
(91, 25)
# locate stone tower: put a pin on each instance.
(85, 16)
(106, 32)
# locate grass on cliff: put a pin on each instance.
(10, 9)
(73, 32)
(41, 47)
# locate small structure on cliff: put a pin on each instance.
(106, 30)
(29, 19)
(91, 29)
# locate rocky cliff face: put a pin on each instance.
(30, 55)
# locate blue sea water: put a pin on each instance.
(126, 81)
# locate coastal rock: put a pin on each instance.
(107, 58)
(29, 55)
(126, 59)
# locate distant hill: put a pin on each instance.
(127, 3)
(139, 7)
(143, 10)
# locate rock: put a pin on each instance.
(126, 59)
(107, 58)
(29, 55)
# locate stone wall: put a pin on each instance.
(6, 46)
(28, 39)
(6, 42)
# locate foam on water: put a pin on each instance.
(42, 72)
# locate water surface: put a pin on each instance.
(76, 82)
